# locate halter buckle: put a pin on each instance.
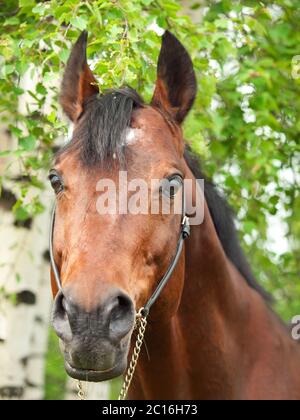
(186, 229)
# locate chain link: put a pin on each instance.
(140, 324)
(80, 393)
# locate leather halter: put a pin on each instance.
(184, 233)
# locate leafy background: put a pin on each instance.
(245, 124)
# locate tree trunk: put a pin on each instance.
(24, 287)
(25, 301)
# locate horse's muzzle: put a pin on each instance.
(95, 343)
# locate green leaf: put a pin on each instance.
(20, 212)
(16, 131)
(41, 8)
(22, 66)
(64, 55)
(37, 183)
(26, 3)
(7, 70)
(5, 153)
(28, 143)
(14, 20)
(249, 226)
(41, 89)
(79, 22)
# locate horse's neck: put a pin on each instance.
(181, 349)
(214, 305)
(196, 354)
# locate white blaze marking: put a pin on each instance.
(132, 136)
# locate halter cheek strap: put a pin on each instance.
(184, 233)
(51, 251)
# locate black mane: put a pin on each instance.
(223, 219)
(100, 136)
(101, 131)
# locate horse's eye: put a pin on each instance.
(171, 186)
(56, 182)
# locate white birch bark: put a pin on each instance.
(25, 296)
(24, 320)
(35, 368)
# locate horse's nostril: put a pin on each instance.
(59, 305)
(60, 319)
(112, 319)
(64, 304)
(121, 316)
(124, 304)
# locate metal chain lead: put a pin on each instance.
(80, 393)
(141, 323)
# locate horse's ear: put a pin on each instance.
(176, 85)
(78, 81)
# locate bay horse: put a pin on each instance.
(211, 333)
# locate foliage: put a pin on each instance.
(55, 372)
(245, 122)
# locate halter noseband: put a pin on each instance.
(184, 233)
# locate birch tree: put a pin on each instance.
(24, 285)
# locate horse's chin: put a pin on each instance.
(90, 375)
(106, 364)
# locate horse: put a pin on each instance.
(211, 333)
